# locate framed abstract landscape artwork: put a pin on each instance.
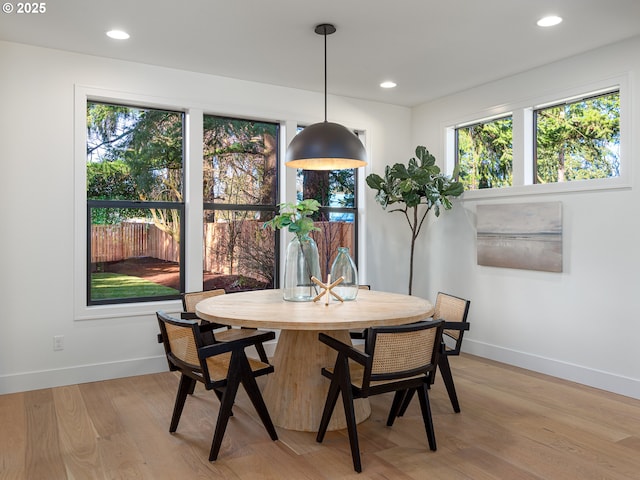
(525, 235)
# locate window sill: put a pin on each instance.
(581, 186)
(123, 310)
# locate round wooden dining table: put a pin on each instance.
(296, 392)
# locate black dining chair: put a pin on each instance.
(453, 311)
(395, 359)
(220, 366)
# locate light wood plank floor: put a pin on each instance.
(514, 425)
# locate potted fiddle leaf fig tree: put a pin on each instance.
(416, 189)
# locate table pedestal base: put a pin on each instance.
(296, 392)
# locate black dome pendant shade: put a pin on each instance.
(325, 145)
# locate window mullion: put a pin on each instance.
(193, 199)
(522, 145)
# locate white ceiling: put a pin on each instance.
(429, 48)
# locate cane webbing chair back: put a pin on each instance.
(452, 309)
(183, 344)
(396, 353)
(190, 299)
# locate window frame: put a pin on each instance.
(483, 121)
(137, 204)
(523, 138)
(82, 95)
(218, 206)
(565, 102)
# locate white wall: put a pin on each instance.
(39, 198)
(582, 324)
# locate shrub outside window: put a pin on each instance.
(135, 209)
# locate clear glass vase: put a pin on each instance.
(302, 263)
(343, 266)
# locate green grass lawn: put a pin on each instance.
(114, 285)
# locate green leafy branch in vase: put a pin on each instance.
(296, 218)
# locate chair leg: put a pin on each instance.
(261, 353)
(445, 370)
(341, 384)
(349, 413)
(406, 401)
(394, 412)
(251, 387)
(192, 389)
(186, 385)
(330, 404)
(423, 396)
(224, 413)
(219, 394)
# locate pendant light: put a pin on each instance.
(325, 145)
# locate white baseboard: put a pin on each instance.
(22, 382)
(610, 382)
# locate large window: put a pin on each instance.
(162, 218)
(578, 140)
(240, 166)
(135, 206)
(484, 154)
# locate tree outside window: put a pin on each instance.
(134, 204)
(578, 140)
(484, 154)
(240, 193)
(572, 140)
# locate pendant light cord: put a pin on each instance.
(325, 74)
(325, 29)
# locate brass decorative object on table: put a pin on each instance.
(327, 289)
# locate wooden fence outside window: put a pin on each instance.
(241, 247)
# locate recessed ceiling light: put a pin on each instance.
(549, 21)
(388, 84)
(117, 34)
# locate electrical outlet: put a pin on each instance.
(58, 342)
